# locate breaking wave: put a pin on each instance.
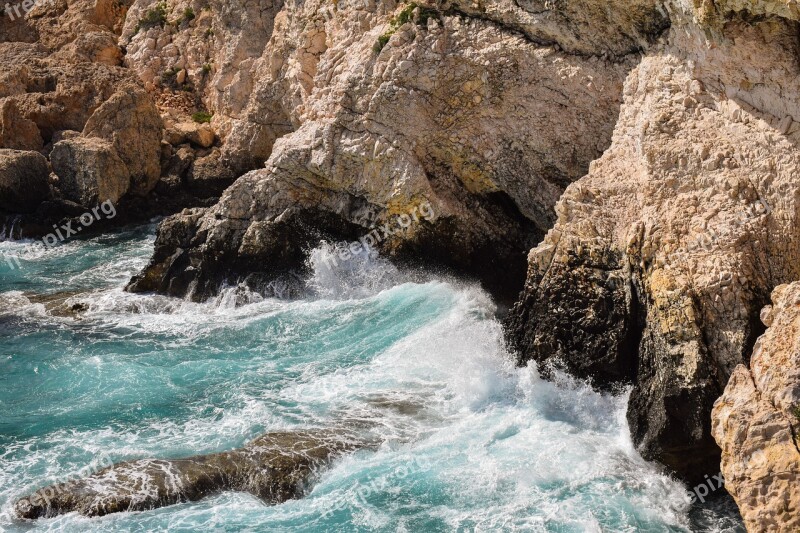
(471, 442)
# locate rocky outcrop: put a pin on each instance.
(613, 29)
(663, 255)
(757, 419)
(119, 151)
(275, 467)
(16, 131)
(23, 180)
(393, 109)
(57, 81)
(65, 95)
(258, 67)
(130, 123)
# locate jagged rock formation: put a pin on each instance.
(756, 422)
(665, 252)
(119, 151)
(393, 108)
(264, 68)
(57, 80)
(65, 95)
(275, 467)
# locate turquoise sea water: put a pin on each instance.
(471, 442)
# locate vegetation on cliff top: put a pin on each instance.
(154, 17)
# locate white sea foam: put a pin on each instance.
(422, 365)
(363, 274)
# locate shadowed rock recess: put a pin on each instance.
(275, 467)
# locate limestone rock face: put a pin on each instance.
(17, 132)
(216, 53)
(23, 180)
(391, 108)
(757, 419)
(53, 95)
(201, 135)
(68, 78)
(261, 67)
(664, 254)
(614, 28)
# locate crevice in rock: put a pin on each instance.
(516, 29)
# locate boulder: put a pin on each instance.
(89, 171)
(96, 47)
(201, 135)
(129, 122)
(24, 181)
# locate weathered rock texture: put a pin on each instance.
(275, 467)
(23, 180)
(64, 94)
(757, 419)
(391, 107)
(663, 255)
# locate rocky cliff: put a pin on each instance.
(77, 128)
(664, 254)
(644, 152)
(757, 419)
(483, 115)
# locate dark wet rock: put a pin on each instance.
(579, 315)
(59, 304)
(192, 260)
(275, 467)
(209, 175)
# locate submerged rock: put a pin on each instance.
(757, 419)
(59, 303)
(275, 467)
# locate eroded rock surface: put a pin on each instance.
(275, 467)
(665, 252)
(757, 419)
(344, 117)
(393, 108)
